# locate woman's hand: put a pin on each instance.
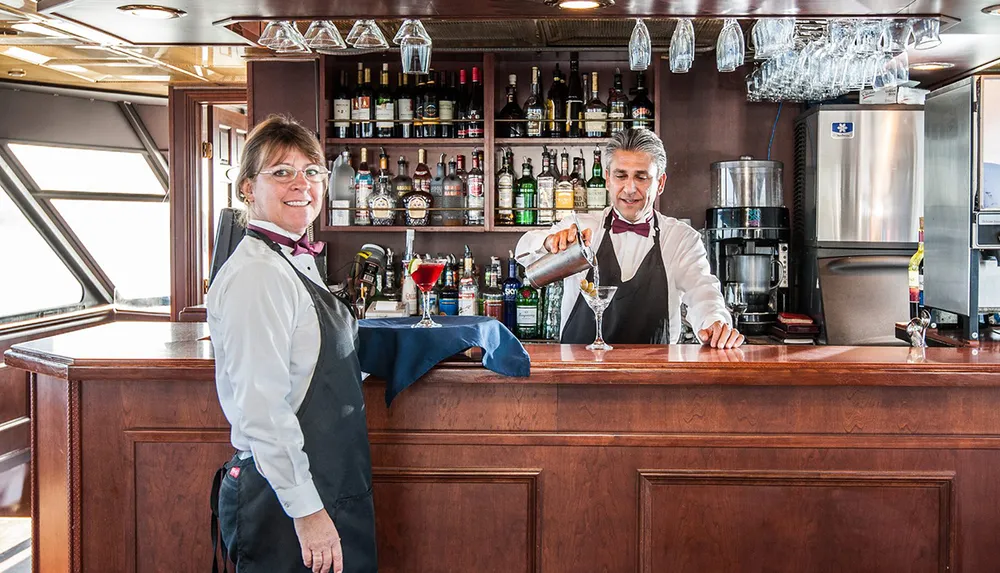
(320, 542)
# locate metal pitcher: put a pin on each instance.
(556, 266)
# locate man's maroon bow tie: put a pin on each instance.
(619, 225)
(298, 247)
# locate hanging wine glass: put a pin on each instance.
(640, 49)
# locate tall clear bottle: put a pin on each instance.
(552, 311)
(341, 193)
(505, 192)
(574, 98)
(546, 183)
(564, 189)
(363, 184)
(596, 113)
(453, 192)
(476, 184)
(534, 107)
(409, 287)
(468, 288)
(526, 196)
(597, 191)
(437, 193)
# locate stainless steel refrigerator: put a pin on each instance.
(858, 199)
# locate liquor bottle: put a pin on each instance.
(546, 187)
(382, 201)
(534, 108)
(552, 313)
(492, 295)
(641, 107)
(468, 288)
(512, 124)
(385, 106)
(460, 170)
(432, 116)
(416, 205)
(446, 106)
(476, 187)
(915, 275)
(597, 191)
(618, 106)
(527, 312)
(437, 193)
(363, 183)
(579, 184)
(453, 193)
(526, 196)
(597, 112)
(448, 301)
(342, 109)
(462, 107)
(505, 193)
(555, 106)
(362, 112)
(574, 98)
(391, 290)
(401, 185)
(422, 174)
(404, 106)
(418, 106)
(510, 288)
(356, 104)
(342, 194)
(564, 189)
(476, 113)
(409, 287)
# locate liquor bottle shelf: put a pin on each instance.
(518, 228)
(554, 141)
(402, 228)
(408, 141)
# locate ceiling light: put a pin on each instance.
(25, 55)
(993, 10)
(931, 66)
(17, 73)
(152, 12)
(580, 4)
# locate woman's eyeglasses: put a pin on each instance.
(287, 173)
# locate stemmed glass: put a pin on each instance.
(736, 301)
(598, 301)
(425, 273)
(640, 48)
(682, 47)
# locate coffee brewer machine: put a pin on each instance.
(747, 234)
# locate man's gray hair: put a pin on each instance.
(643, 140)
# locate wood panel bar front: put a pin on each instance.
(641, 459)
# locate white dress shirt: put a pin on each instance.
(266, 337)
(689, 276)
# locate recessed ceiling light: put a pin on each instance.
(17, 73)
(931, 66)
(152, 11)
(25, 55)
(993, 10)
(580, 4)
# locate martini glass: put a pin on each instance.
(425, 272)
(598, 301)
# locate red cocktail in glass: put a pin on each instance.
(426, 272)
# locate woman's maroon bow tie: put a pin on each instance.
(303, 245)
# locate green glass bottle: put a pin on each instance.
(527, 312)
(526, 196)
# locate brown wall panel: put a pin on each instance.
(50, 550)
(290, 88)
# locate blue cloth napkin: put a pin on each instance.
(390, 349)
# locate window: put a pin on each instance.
(130, 241)
(45, 281)
(87, 170)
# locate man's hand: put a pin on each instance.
(721, 335)
(320, 543)
(557, 242)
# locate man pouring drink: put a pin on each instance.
(657, 262)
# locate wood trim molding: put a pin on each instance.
(184, 105)
(74, 466)
(944, 482)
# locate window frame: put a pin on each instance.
(36, 204)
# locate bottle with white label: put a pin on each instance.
(468, 288)
(342, 109)
(385, 106)
(597, 192)
(341, 191)
(409, 287)
(527, 312)
(363, 184)
(476, 199)
(546, 186)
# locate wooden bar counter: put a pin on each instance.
(651, 459)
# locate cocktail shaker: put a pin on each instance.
(556, 266)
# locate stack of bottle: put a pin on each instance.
(438, 104)
(565, 113)
(555, 193)
(466, 289)
(449, 198)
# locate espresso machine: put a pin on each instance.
(747, 234)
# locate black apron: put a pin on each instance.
(639, 313)
(256, 532)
